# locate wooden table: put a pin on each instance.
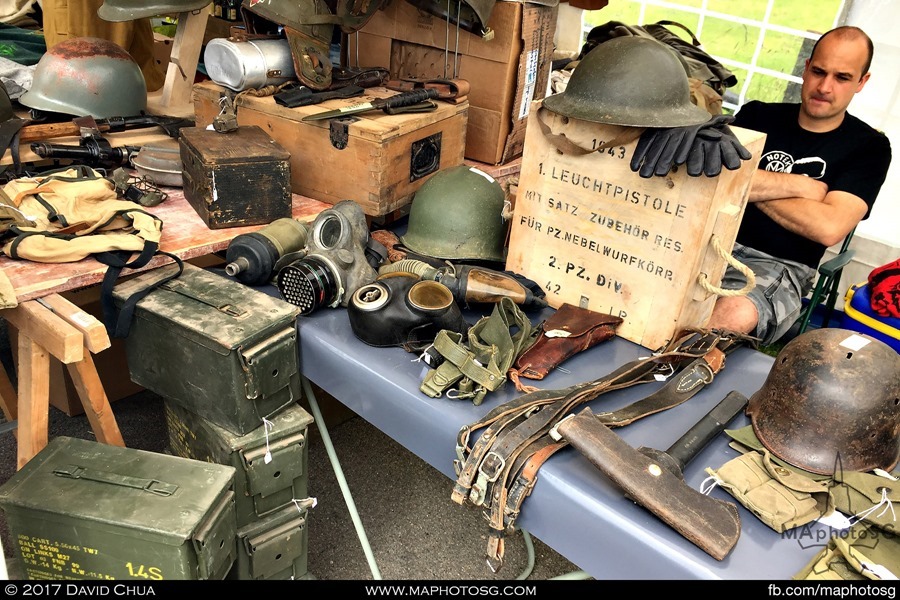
(49, 325)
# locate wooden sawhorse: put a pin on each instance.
(53, 326)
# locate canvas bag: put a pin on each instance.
(72, 213)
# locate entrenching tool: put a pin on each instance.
(654, 479)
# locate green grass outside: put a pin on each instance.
(780, 52)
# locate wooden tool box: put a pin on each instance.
(237, 178)
(376, 159)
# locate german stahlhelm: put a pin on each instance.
(131, 10)
(630, 81)
(86, 76)
(831, 402)
(458, 214)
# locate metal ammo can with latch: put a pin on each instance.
(221, 349)
(84, 510)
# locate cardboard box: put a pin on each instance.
(505, 73)
(373, 158)
(595, 234)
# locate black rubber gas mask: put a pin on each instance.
(339, 258)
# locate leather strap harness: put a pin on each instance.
(500, 470)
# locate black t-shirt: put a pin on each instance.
(853, 158)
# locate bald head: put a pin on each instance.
(849, 33)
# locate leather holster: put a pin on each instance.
(570, 330)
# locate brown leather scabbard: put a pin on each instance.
(712, 524)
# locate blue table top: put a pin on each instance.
(574, 508)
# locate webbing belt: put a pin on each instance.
(499, 471)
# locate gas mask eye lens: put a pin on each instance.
(329, 232)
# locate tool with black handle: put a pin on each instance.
(391, 103)
(698, 437)
(654, 479)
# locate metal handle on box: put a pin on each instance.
(154, 486)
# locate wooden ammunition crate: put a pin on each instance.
(595, 234)
(376, 159)
(237, 178)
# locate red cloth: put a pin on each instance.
(884, 289)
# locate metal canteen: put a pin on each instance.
(249, 65)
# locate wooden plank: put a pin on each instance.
(51, 332)
(174, 99)
(9, 401)
(34, 398)
(184, 234)
(96, 338)
(96, 404)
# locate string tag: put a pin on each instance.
(268, 425)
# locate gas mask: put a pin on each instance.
(339, 258)
(399, 309)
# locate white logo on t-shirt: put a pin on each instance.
(782, 162)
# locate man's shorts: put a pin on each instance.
(780, 288)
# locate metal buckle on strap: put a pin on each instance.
(495, 463)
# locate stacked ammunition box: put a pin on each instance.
(224, 358)
(271, 503)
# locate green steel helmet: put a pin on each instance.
(86, 76)
(458, 214)
(831, 401)
(471, 15)
(131, 10)
(308, 27)
(630, 81)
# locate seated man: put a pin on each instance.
(819, 175)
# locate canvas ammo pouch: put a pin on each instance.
(781, 498)
(863, 552)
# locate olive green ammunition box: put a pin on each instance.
(84, 510)
(217, 347)
(275, 547)
(261, 485)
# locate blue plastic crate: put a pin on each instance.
(859, 316)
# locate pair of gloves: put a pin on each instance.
(705, 148)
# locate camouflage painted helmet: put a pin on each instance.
(458, 215)
(630, 81)
(87, 76)
(831, 401)
(131, 10)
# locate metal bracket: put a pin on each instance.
(425, 156)
(338, 131)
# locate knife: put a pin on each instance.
(398, 100)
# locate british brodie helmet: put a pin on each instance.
(831, 402)
(629, 81)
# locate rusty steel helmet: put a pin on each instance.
(630, 81)
(87, 76)
(831, 402)
(132, 10)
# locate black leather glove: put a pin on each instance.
(715, 146)
(711, 143)
(660, 149)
